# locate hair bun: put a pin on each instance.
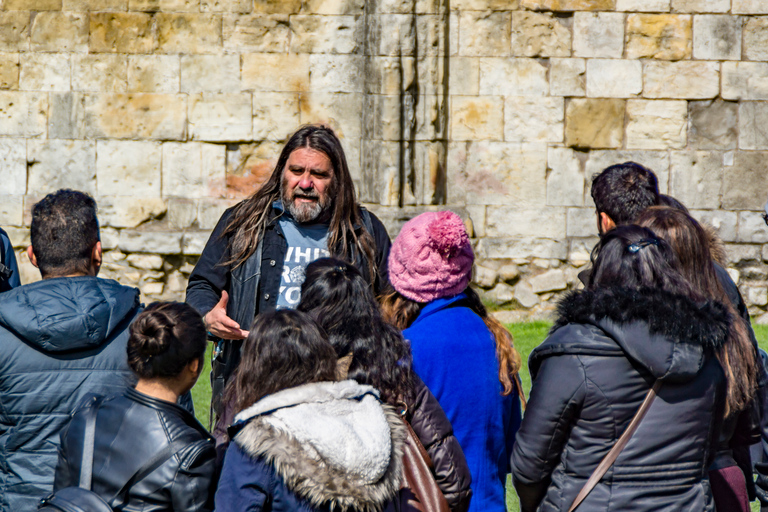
(153, 333)
(447, 234)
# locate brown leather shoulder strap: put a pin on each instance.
(612, 455)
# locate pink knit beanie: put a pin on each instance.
(431, 257)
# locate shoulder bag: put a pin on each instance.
(612, 455)
(419, 491)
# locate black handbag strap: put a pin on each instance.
(86, 463)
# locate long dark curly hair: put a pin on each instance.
(337, 296)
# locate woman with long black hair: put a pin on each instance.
(374, 352)
(638, 325)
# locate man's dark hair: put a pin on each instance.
(63, 232)
(624, 191)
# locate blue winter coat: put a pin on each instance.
(8, 258)
(455, 354)
(60, 340)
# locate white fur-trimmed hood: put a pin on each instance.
(330, 442)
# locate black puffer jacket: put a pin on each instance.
(590, 376)
(435, 432)
(130, 429)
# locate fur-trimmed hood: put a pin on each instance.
(330, 442)
(668, 334)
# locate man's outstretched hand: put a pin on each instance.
(219, 324)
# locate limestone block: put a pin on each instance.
(176, 282)
(14, 30)
(193, 170)
(326, 34)
(142, 116)
(9, 70)
(749, 7)
(128, 168)
(544, 222)
(549, 281)
(56, 164)
(336, 73)
(66, 118)
(699, 6)
(656, 124)
(752, 227)
(210, 73)
(99, 72)
(220, 117)
(11, 210)
(477, 117)
(594, 123)
(19, 237)
(683, 79)
(249, 33)
(509, 272)
(331, 6)
(272, 72)
(569, 5)
(45, 72)
(539, 35)
(659, 36)
(154, 73)
(741, 253)
(567, 77)
(34, 5)
(765, 253)
(516, 248)
(484, 277)
(182, 212)
(757, 295)
(502, 293)
(597, 161)
(513, 77)
(565, 178)
(753, 132)
(599, 34)
(695, 178)
(391, 34)
(94, 5)
(713, 124)
(240, 6)
(614, 78)
(724, 222)
(162, 5)
(642, 5)
(129, 32)
(745, 81)
(717, 37)
(497, 173)
(13, 166)
(430, 34)
(277, 6)
(485, 33)
(533, 119)
(275, 115)
(23, 113)
(145, 261)
(188, 33)
(581, 222)
(580, 250)
(484, 5)
(343, 113)
(464, 78)
(193, 242)
(129, 212)
(59, 31)
(209, 212)
(525, 295)
(745, 183)
(161, 242)
(109, 238)
(756, 38)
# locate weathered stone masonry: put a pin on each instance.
(169, 111)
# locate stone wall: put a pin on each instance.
(169, 111)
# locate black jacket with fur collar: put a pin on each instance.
(590, 376)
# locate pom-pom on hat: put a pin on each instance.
(431, 257)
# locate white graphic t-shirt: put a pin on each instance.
(306, 243)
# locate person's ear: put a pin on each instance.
(606, 223)
(96, 258)
(32, 257)
(195, 367)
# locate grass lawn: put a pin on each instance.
(527, 336)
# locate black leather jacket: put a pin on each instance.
(130, 429)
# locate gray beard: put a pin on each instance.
(306, 212)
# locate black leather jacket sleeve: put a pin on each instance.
(192, 489)
(435, 432)
(556, 397)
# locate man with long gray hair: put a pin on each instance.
(254, 260)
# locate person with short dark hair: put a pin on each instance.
(61, 339)
(166, 352)
(9, 270)
(254, 260)
(638, 322)
(621, 192)
(301, 441)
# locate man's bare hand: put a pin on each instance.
(219, 324)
